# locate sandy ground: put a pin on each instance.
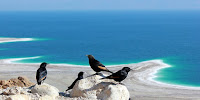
(139, 82)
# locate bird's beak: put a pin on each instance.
(132, 70)
(86, 55)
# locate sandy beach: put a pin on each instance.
(139, 82)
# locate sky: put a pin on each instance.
(48, 5)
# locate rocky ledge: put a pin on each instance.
(89, 88)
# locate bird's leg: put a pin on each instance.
(42, 82)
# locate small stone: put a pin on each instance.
(4, 87)
(3, 82)
(19, 97)
(12, 91)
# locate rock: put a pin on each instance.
(20, 81)
(46, 97)
(94, 88)
(25, 81)
(45, 89)
(14, 90)
(3, 82)
(90, 88)
(19, 97)
(112, 92)
(4, 87)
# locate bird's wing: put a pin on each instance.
(43, 75)
(37, 75)
(115, 75)
(103, 68)
(72, 85)
(100, 65)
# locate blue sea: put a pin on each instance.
(113, 37)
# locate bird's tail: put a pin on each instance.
(67, 89)
(39, 83)
(109, 71)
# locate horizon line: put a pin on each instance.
(84, 10)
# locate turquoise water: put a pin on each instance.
(112, 37)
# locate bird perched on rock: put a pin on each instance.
(96, 65)
(41, 73)
(80, 76)
(119, 75)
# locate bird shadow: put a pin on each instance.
(64, 94)
(29, 88)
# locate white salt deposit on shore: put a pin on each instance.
(4, 40)
(140, 82)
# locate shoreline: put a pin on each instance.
(141, 79)
(150, 76)
(140, 82)
(6, 40)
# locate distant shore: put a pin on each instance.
(5, 40)
(139, 82)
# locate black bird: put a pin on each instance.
(119, 75)
(80, 76)
(41, 73)
(96, 65)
